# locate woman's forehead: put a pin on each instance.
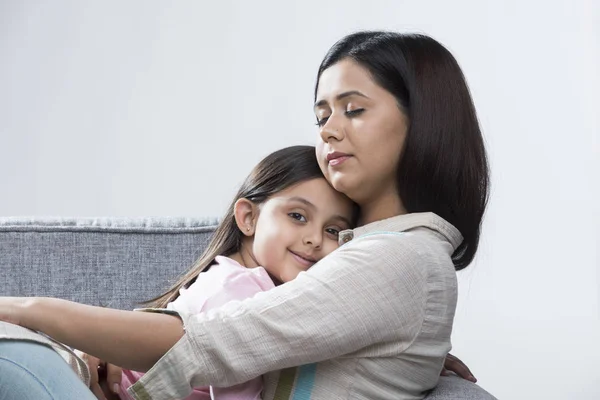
(344, 76)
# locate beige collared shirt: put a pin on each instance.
(370, 321)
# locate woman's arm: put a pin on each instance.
(134, 340)
(370, 291)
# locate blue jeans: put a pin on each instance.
(31, 371)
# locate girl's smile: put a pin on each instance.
(304, 260)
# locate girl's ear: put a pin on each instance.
(246, 214)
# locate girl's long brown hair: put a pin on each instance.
(276, 172)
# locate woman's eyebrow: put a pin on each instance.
(341, 96)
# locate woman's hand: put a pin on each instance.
(104, 378)
(453, 365)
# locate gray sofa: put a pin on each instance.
(119, 262)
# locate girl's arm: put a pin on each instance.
(133, 340)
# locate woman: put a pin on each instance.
(398, 134)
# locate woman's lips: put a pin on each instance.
(337, 161)
(336, 158)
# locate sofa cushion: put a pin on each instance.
(455, 388)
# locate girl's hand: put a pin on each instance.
(12, 309)
(453, 365)
(104, 378)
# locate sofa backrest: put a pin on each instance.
(109, 262)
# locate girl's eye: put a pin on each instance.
(297, 216)
(354, 113)
(333, 232)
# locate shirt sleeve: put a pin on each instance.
(371, 290)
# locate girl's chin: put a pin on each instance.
(276, 281)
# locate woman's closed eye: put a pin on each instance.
(322, 121)
(297, 216)
(354, 113)
(349, 114)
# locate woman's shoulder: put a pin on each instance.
(417, 243)
(423, 228)
(417, 255)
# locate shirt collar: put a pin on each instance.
(406, 222)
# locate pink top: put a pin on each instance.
(226, 280)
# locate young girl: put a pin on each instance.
(284, 218)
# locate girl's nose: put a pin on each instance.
(313, 239)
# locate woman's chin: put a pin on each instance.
(341, 184)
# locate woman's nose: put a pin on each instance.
(332, 130)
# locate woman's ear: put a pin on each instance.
(246, 214)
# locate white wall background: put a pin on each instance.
(146, 108)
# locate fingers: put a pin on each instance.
(113, 377)
(94, 365)
(97, 390)
(454, 364)
(108, 393)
